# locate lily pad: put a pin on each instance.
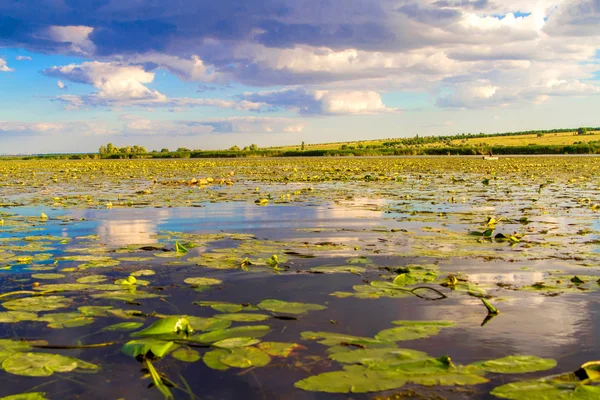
(203, 281)
(412, 330)
(92, 279)
(241, 317)
(43, 364)
(47, 276)
(519, 364)
(9, 317)
(245, 358)
(208, 324)
(280, 306)
(186, 354)
(256, 331)
(355, 380)
(236, 342)
(278, 349)
(66, 320)
(123, 326)
(344, 269)
(26, 396)
(37, 303)
(143, 272)
(212, 359)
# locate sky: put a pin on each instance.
(205, 74)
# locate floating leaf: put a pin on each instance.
(124, 326)
(43, 364)
(518, 364)
(203, 281)
(355, 380)
(241, 317)
(66, 320)
(277, 349)
(143, 272)
(256, 331)
(334, 339)
(344, 269)
(92, 279)
(245, 358)
(9, 317)
(412, 330)
(39, 303)
(530, 390)
(186, 354)
(235, 342)
(280, 306)
(212, 359)
(208, 324)
(47, 276)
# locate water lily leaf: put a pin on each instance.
(92, 279)
(186, 354)
(9, 317)
(208, 324)
(381, 356)
(202, 281)
(143, 272)
(40, 303)
(95, 311)
(359, 260)
(66, 320)
(64, 287)
(42, 364)
(152, 348)
(235, 342)
(241, 317)
(518, 364)
(405, 280)
(280, 306)
(47, 276)
(167, 327)
(586, 393)
(26, 396)
(531, 390)
(256, 331)
(245, 358)
(412, 330)
(343, 269)
(222, 306)
(126, 296)
(124, 326)
(334, 339)
(356, 380)
(448, 379)
(212, 359)
(278, 349)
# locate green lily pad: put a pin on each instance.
(412, 330)
(126, 296)
(245, 358)
(235, 342)
(208, 324)
(9, 317)
(256, 331)
(223, 306)
(241, 317)
(92, 279)
(152, 348)
(278, 349)
(202, 281)
(124, 326)
(66, 320)
(186, 354)
(38, 303)
(280, 306)
(531, 390)
(518, 364)
(212, 359)
(377, 356)
(43, 364)
(334, 339)
(95, 311)
(64, 287)
(343, 269)
(355, 380)
(143, 272)
(47, 276)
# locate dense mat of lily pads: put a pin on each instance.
(435, 213)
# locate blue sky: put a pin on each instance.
(76, 74)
